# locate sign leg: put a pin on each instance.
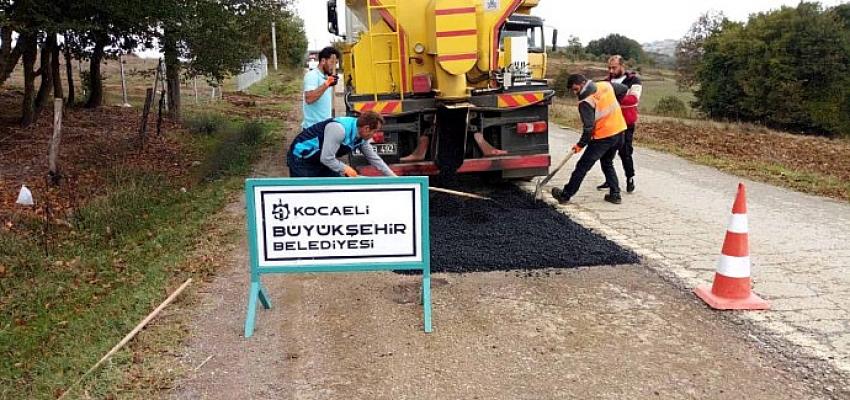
(426, 299)
(250, 318)
(264, 297)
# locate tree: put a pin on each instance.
(9, 54)
(574, 49)
(689, 50)
(842, 12)
(218, 39)
(786, 68)
(291, 39)
(613, 44)
(214, 38)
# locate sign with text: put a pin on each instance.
(336, 225)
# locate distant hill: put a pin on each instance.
(666, 47)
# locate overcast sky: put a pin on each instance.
(642, 20)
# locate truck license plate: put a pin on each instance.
(385, 149)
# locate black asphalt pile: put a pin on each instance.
(512, 232)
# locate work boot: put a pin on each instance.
(603, 186)
(630, 184)
(559, 195)
(613, 198)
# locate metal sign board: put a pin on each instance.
(336, 225)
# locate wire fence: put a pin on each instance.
(252, 73)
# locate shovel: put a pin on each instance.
(549, 177)
(457, 193)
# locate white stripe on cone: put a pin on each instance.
(738, 223)
(734, 267)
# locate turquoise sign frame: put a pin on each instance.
(256, 291)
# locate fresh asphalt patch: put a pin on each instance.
(512, 232)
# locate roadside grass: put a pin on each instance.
(111, 264)
(774, 173)
(279, 83)
(657, 88)
(657, 83)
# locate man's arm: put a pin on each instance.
(632, 97)
(620, 91)
(588, 122)
(375, 160)
(314, 88)
(334, 135)
(635, 87)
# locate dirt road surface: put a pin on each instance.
(607, 332)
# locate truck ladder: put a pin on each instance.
(376, 5)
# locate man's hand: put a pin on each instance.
(332, 80)
(349, 172)
(577, 148)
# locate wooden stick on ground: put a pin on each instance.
(456, 193)
(130, 335)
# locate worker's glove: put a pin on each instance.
(577, 148)
(332, 80)
(349, 172)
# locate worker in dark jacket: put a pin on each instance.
(629, 104)
(315, 151)
(602, 134)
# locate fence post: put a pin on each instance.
(164, 88)
(143, 128)
(123, 82)
(274, 46)
(163, 104)
(53, 152)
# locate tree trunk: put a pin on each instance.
(69, 69)
(8, 56)
(172, 75)
(43, 98)
(95, 82)
(55, 71)
(29, 45)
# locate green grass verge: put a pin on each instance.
(284, 82)
(112, 266)
(773, 173)
(656, 88)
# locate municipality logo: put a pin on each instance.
(280, 211)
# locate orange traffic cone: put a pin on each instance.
(731, 289)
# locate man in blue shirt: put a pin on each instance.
(316, 150)
(318, 88)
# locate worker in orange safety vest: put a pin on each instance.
(602, 134)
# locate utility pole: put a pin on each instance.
(274, 47)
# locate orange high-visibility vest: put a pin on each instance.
(609, 116)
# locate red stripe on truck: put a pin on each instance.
(454, 11)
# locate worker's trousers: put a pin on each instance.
(626, 152)
(604, 151)
(301, 168)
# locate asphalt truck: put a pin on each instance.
(460, 83)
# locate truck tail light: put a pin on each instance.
(422, 84)
(525, 128)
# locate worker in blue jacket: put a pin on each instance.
(315, 151)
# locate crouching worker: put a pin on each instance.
(602, 134)
(315, 150)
